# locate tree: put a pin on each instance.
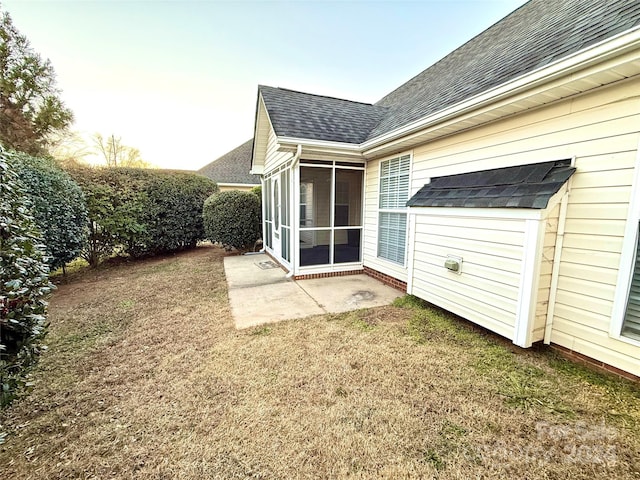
(24, 285)
(116, 154)
(30, 105)
(68, 148)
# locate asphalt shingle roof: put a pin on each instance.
(534, 35)
(315, 117)
(526, 186)
(233, 167)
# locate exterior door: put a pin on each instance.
(276, 192)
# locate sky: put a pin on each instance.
(178, 79)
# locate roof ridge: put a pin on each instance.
(322, 96)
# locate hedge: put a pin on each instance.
(142, 211)
(58, 207)
(24, 285)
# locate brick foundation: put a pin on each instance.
(387, 279)
(592, 362)
(327, 274)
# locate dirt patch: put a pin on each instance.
(147, 378)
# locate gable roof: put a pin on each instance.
(232, 167)
(535, 35)
(316, 117)
(525, 186)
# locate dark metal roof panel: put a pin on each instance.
(525, 186)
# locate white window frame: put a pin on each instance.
(627, 259)
(404, 210)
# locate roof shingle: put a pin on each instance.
(233, 167)
(533, 36)
(525, 186)
(316, 117)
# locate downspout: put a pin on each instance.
(294, 212)
(557, 254)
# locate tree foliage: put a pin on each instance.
(116, 154)
(58, 207)
(30, 104)
(142, 212)
(24, 285)
(233, 219)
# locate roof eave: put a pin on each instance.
(614, 47)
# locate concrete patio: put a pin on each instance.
(260, 292)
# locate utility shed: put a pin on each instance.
(483, 245)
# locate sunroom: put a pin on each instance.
(306, 148)
(313, 216)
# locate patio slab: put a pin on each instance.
(260, 292)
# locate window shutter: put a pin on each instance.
(631, 325)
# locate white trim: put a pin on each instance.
(557, 258)
(597, 53)
(492, 213)
(251, 185)
(627, 258)
(411, 242)
(379, 210)
(529, 279)
(322, 144)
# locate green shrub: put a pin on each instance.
(233, 219)
(58, 207)
(141, 211)
(24, 285)
(173, 215)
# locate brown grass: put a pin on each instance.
(146, 378)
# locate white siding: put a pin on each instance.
(601, 130)
(487, 290)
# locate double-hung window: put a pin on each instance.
(392, 210)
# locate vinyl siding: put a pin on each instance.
(546, 267)
(601, 130)
(492, 249)
(274, 158)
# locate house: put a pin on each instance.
(231, 171)
(502, 183)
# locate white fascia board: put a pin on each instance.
(259, 168)
(597, 53)
(235, 185)
(497, 213)
(319, 144)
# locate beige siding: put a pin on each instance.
(274, 158)
(487, 291)
(546, 267)
(601, 130)
(370, 235)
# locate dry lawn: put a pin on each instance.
(147, 378)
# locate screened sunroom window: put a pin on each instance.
(392, 212)
(631, 324)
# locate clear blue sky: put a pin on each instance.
(178, 79)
